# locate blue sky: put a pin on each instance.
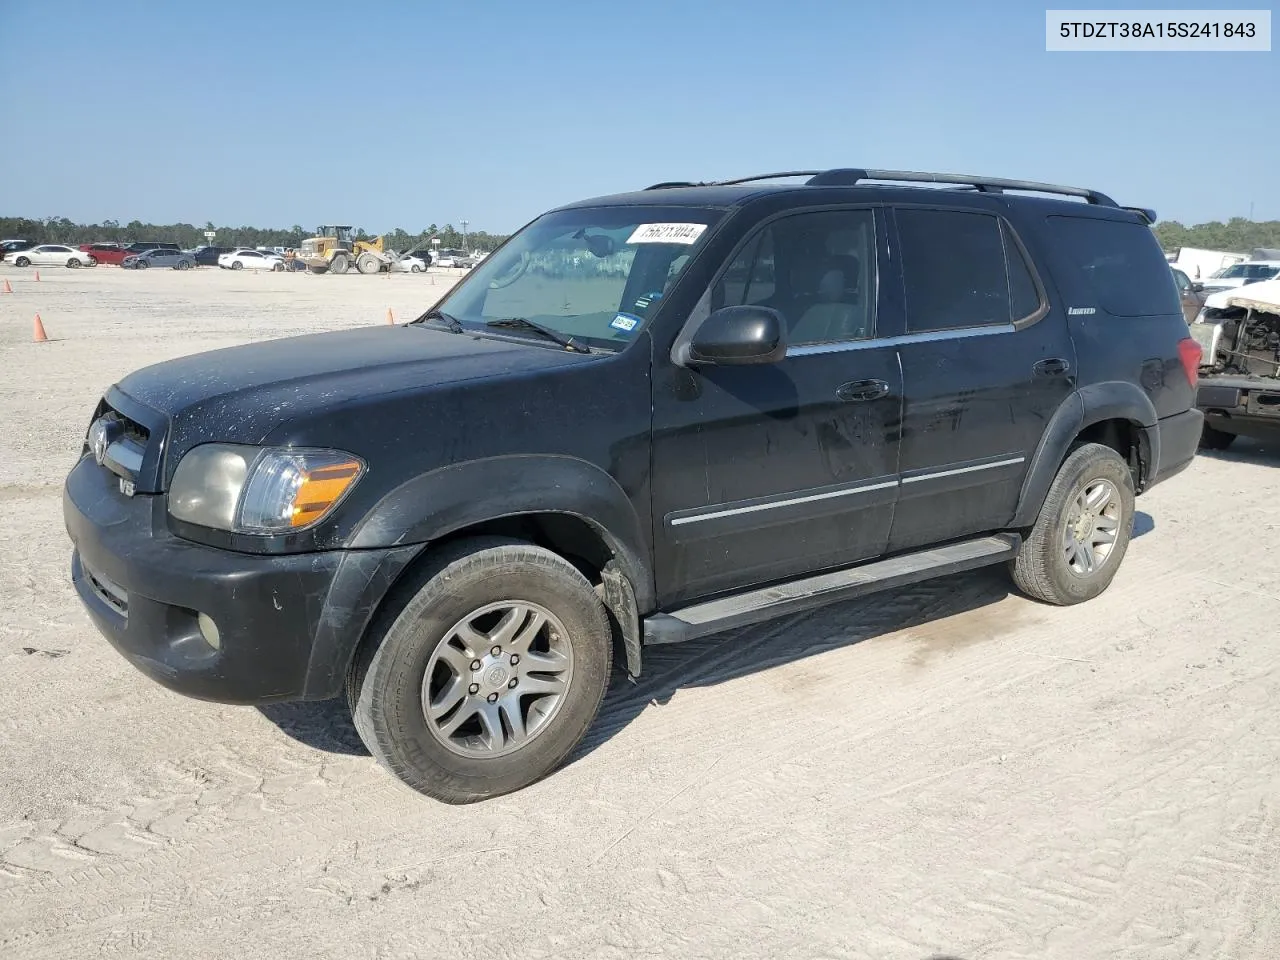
(404, 114)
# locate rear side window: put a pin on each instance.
(962, 269)
(1119, 263)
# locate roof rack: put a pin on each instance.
(850, 176)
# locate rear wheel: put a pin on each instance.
(414, 268)
(74, 263)
(22, 262)
(143, 265)
(237, 265)
(183, 265)
(1081, 536)
(1212, 438)
(93, 261)
(487, 676)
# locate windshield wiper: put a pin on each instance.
(547, 332)
(452, 322)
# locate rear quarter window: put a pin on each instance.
(1120, 263)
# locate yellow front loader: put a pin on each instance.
(333, 251)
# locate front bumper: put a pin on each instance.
(287, 625)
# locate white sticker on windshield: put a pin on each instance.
(667, 233)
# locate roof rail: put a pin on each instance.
(849, 177)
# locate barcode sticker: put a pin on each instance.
(667, 233)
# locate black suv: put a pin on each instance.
(645, 418)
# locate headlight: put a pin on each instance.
(246, 489)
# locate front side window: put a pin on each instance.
(818, 270)
(594, 274)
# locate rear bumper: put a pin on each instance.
(1179, 438)
(1249, 406)
(286, 625)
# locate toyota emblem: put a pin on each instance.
(100, 437)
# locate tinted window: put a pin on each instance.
(1181, 278)
(817, 269)
(953, 266)
(1024, 297)
(1119, 263)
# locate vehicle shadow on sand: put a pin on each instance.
(326, 725)
(1246, 450)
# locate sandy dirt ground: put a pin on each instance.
(950, 770)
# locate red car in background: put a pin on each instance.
(105, 252)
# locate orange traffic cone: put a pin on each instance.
(37, 331)
(7, 288)
(390, 318)
(37, 276)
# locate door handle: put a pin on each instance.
(862, 390)
(1054, 367)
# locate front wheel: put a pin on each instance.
(22, 262)
(183, 265)
(414, 268)
(93, 261)
(487, 676)
(143, 265)
(1081, 536)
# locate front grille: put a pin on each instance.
(112, 594)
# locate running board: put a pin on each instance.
(755, 606)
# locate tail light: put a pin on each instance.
(1190, 352)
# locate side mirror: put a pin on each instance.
(738, 335)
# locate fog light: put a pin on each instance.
(209, 630)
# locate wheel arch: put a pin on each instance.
(564, 504)
(1115, 413)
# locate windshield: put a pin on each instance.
(594, 274)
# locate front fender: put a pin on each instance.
(461, 495)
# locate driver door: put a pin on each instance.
(765, 472)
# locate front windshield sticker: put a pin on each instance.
(625, 322)
(667, 233)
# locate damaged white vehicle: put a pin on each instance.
(1239, 389)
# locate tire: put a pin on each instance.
(183, 265)
(73, 263)
(1042, 569)
(386, 680)
(339, 264)
(368, 264)
(237, 265)
(1212, 438)
(414, 268)
(277, 268)
(93, 261)
(22, 262)
(143, 265)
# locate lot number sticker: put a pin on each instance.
(667, 233)
(625, 322)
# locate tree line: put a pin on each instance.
(1237, 235)
(188, 236)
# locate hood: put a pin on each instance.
(239, 394)
(1264, 291)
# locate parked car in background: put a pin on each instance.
(111, 253)
(1191, 293)
(51, 255)
(1239, 274)
(142, 246)
(243, 257)
(450, 257)
(409, 263)
(14, 246)
(159, 258)
(208, 256)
